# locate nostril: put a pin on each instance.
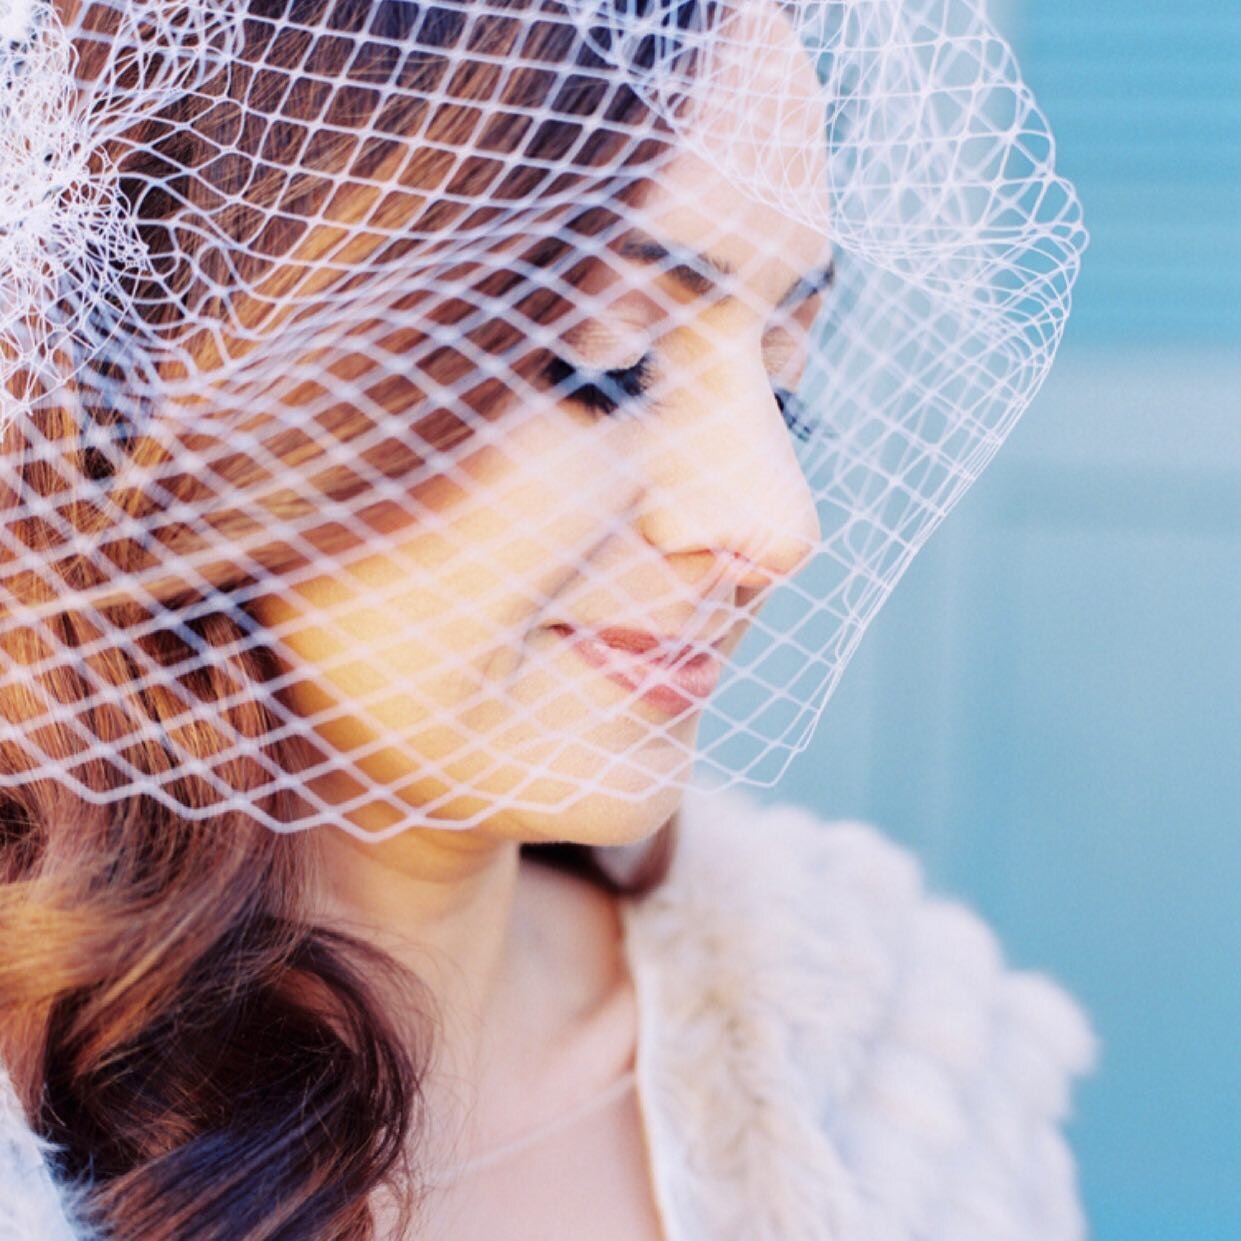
(760, 567)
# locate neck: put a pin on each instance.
(441, 903)
(523, 968)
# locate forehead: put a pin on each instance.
(749, 181)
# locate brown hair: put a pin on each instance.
(207, 1061)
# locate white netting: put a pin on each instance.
(410, 407)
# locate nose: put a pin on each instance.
(723, 480)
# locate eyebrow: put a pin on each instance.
(701, 274)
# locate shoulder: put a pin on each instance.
(937, 1077)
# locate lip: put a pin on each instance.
(671, 676)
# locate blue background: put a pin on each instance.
(1049, 707)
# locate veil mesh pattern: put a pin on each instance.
(418, 412)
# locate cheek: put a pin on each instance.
(533, 513)
(447, 609)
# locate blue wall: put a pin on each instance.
(1049, 708)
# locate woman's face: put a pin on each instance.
(531, 657)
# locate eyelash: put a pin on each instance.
(604, 392)
(793, 411)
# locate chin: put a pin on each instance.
(593, 819)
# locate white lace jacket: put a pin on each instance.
(826, 1052)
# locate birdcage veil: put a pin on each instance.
(491, 405)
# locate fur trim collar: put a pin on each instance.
(830, 1053)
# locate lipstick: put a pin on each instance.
(672, 678)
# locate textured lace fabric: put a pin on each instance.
(584, 1174)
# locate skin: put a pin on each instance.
(674, 520)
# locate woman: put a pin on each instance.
(407, 419)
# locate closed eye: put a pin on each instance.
(602, 392)
(607, 391)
